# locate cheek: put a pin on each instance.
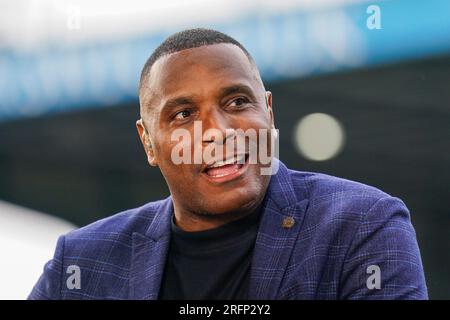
(179, 178)
(259, 119)
(170, 158)
(261, 127)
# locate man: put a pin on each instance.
(229, 231)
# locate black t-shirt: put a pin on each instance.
(211, 264)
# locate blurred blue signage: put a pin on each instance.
(288, 45)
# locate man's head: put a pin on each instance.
(204, 76)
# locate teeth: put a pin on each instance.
(239, 159)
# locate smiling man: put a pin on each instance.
(229, 230)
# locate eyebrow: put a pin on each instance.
(172, 103)
(236, 88)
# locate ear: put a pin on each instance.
(146, 142)
(269, 107)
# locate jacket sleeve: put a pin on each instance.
(383, 260)
(48, 286)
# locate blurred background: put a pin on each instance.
(361, 90)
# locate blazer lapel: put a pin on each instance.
(149, 254)
(282, 216)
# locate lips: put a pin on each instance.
(229, 167)
(223, 170)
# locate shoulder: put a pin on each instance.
(126, 222)
(349, 226)
(112, 235)
(335, 194)
(101, 250)
(339, 207)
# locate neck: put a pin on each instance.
(192, 221)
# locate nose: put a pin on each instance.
(216, 127)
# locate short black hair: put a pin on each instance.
(187, 39)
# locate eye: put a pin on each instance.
(238, 102)
(183, 114)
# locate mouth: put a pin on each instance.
(226, 170)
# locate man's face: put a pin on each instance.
(218, 86)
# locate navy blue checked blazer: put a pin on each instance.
(340, 229)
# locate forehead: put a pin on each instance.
(199, 70)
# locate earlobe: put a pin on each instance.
(149, 150)
(269, 107)
(268, 97)
(145, 139)
(151, 159)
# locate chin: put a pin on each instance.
(222, 204)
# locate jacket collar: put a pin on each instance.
(273, 248)
(283, 213)
(149, 254)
